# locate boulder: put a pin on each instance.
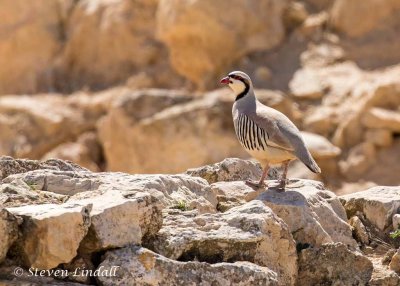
(313, 214)
(395, 262)
(8, 230)
(105, 43)
(41, 122)
(136, 265)
(203, 42)
(382, 118)
(379, 137)
(377, 204)
(230, 169)
(43, 226)
(306, 84)
(396, 221)
(333, 262)
(29, 70)
(319, 146)
(359, 230)
(358, 161)
(251, 232)
(344, 14)
(85, 151)
(117, 221)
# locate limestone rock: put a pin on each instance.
(140, 266)
(359, 230)
(117, 221)
(359, 159)
(379, 137)
(251, 232)
(29, 70)
(377, 204)
(8, 230)
(335, 263)
(42, 224)
(306, 85)
(85, 151)
(321, 120)
(381, 118)
(105, 42)
(395, 262)
(230, 169)
(396, 221)
(320, 147)
(344, 14)
(314, 215)
(203, 42)
(41, 122)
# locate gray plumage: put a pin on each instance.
(266, 134)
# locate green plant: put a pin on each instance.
(395, 234)
(181, 205)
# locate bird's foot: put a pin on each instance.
(280, 187)
(256, 184)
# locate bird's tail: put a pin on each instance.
(313, 166)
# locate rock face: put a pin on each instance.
(377, 204)
(37, 246)
(140, 266)
(244, 233)
(179, 229)
(19, 21)
(9, 232)
(200, 25)
(314, 215)
(334, 263)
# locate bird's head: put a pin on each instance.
(238, 81)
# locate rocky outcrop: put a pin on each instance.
(37, 246)
(165, 229)
(378, 205)
(216, 39)
(251, 232)
(334, 263)
(140, 266)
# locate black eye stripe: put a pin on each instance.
(236, 77)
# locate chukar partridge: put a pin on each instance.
(266, 134)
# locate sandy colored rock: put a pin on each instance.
(41, 122)
(306, 85)
(381, 118)
(106, 41)
(377, 204)
(231, 236)
(321, 120)
(192, 31)
(29, 70)
(344, 14)
(359, 159)
(359, 230)
(395, 262)
(396, 221)
(86, 151)
(140, 266)
(379, 137)
(314, 215)
(42, 225)
(230, 169)
(319, 146)
(8, 230)
(117, 221)
(333, 262)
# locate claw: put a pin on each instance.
(255, 184)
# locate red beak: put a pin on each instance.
(225, 80)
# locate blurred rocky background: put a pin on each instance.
(132, 85)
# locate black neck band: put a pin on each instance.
(244, 92)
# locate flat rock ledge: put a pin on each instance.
(203, 227)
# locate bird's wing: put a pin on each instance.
(283, 134)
